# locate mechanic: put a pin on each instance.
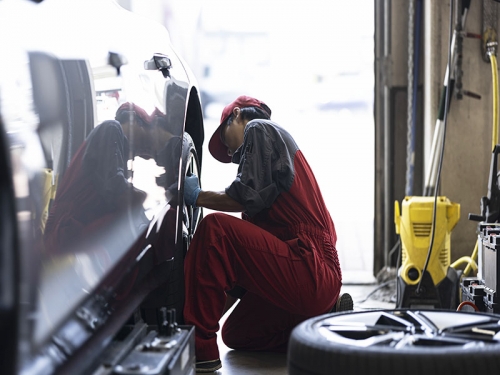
(280, 261)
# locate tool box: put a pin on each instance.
(473, 290)
(482, 290)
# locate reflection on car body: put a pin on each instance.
(96, 145)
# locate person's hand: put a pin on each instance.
(191, 190)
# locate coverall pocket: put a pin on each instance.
(298, 249)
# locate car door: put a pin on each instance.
(96, 108)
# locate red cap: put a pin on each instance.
(132, 107)
(215, 146)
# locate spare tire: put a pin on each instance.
(395, 342)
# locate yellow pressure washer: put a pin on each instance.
(437, 286)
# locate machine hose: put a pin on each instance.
(494, 140)
(471, 264)
(467, 303)
(494, 74)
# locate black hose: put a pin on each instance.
(441, 156)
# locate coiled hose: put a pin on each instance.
(494, 74)
(471, 261)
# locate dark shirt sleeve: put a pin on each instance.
(105, 161)
(255, 184)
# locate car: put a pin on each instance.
(100, 123)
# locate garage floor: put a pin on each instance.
(250, 363)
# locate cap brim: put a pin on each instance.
(217, 148)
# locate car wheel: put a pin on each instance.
(190, 219)
(391, 342)
(191, 215)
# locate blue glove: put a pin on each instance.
(191, 190)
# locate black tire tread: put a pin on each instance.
(309, 353)
(175, 288)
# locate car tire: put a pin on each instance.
(396, 342)
(191, 218)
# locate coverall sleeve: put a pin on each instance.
(255, 185)
(105, 160)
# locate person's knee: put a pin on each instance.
(240, 333)
(230, 337)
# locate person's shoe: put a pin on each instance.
(208, 366)
(344, 303)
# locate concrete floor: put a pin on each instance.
(250, 363)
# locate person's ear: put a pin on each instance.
(236, 112)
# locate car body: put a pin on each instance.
(93, 227)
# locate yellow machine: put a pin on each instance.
(437, 286)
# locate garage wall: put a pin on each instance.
(467, 156)
(469, 132)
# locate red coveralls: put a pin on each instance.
(282, 252)
(93, 195)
